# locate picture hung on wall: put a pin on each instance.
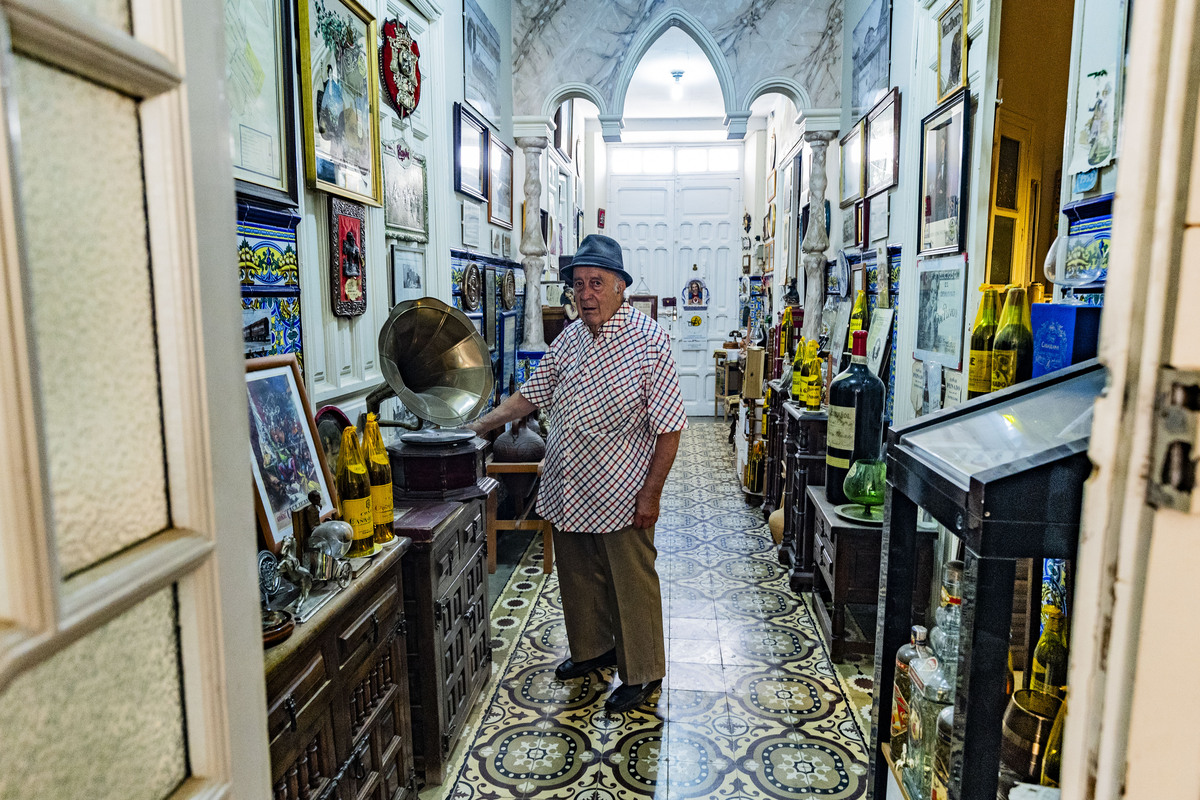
(481, 61)
(285, 457)
(259, 88)
(944, 152)
(340, 99)
(645, 303)
(470, 154)
(860, 224)
(883, 144)
(852, 164)
(952, 49)
(563, 123)
(347, 256)
(500, 184)
(877, 217)
(408, 273)
(871, 57)
(399, 66)
(406, 197)
(771, 186)
(941, 285)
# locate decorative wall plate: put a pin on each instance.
(472, 287)
(508, 290)
(399, 68)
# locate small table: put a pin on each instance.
(728, 379)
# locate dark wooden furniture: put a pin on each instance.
(498, 469)
(1004, 474)
(728, 384)
(773, 471)
(445, 601)
(437, 471)
(554, 319)
(337, 695)
(804, 453)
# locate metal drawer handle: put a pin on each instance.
(289, 706)
(375, 627)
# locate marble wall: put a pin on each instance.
(757, 42)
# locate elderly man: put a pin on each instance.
(610, 386)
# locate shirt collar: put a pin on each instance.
(617, 320)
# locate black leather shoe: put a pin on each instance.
(576, 669)
(630, 696)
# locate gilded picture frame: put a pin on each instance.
(952, 49)
(406, 197)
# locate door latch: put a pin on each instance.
(1175, 447)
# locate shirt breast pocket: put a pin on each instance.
(619, 407)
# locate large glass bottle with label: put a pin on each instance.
(855, 431)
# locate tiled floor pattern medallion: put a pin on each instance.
(751, 706)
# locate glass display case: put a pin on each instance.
(1004, 473)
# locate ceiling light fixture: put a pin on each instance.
(676, 88)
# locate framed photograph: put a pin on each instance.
(339, 69)
(285, 456)
(408, 274)
(871, 56)
(347, 256)
(563, 124)
(945, 139)
(877, 217)
(883, 144)
(500, 184)
(852, 164)
(849, 230)
(258, 82)
(470, 154)
(952, 50)
(405, 197)
(645, 303)
(941, 290)
(481, 61)
(771, 187)
(879, 335)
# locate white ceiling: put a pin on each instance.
(650, 90)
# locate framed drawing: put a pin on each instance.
(883, 144)
(339, 70)
(852, 164)
(500, 184)
(408, 273)
(258, 81)
(941, 290)
(285, 457)
(347, 256)
(481, 61)
(405, 197)
(945, 136)
(871, 60)
(645, 303)
(470, 154)
(952, 50)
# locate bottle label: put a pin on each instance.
(840, 435)
(949, 599)
(899, 701)
(938, 790)
(381, 504)
(358, 514)
(1004, 369)
(980, 376)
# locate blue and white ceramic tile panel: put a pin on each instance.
(1089, 229)
(1056, 581)
(269, 273)
(751, 707)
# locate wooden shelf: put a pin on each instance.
(887, 754)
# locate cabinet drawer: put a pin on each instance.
(370, 627)
(824, 554)
(303, 765)
(297, 702)
(471, 531)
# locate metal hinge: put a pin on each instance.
(1175, 446)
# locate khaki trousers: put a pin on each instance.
(611, 598)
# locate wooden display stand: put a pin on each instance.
(728, 378)
(496, 469)
(804, 452)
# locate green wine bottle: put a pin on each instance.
(983, 334)
(1049, 671)
(354, 491)
(1012, 350)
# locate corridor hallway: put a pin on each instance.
(751, 706)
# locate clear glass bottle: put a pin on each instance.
(931, 692)
(940, 783)
(917, 647)
(1049, 671)
(379, 470)
(944, 636)
(354, 493)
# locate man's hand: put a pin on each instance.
(645, 510)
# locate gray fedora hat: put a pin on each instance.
(597, 251)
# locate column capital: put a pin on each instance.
(610, 127)
(819, 121)
(735, 124)
(533, 127)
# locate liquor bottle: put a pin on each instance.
(979, 380)
(917, 647)
(379, 470)
(812, 380)
(944, 636)
(858, 312)
(354, 489)
(931, 692)
(1052, 761)
(940, 787)
(1012, 349)
(785, 333)
(798, 372)
(855, 427)
(1049, 671)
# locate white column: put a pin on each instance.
(533, 247)
(816, 238)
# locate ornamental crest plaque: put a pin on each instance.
(400, 72)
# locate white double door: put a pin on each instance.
(673, 229)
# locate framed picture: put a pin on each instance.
(860, 224)
(871, 59)
(645, 303)
(285, 457)
(405, 197)
(883, 144)
(500, 184)
(339, 69)
(347, 256)
(481, 61)
(952, 50)
(852, 164)
(470, 154)
(771, 187)
(258, 82)
(877, 217)
(408, 273)
(945, 136)
(941, 290)
(563, 124)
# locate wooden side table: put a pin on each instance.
(728, 384)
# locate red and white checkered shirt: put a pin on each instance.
(609, 397)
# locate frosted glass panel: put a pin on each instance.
(114, 12)
(102, 719)
(81, 182)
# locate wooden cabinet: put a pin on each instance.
(337, 695)
(773, 472)
(804, 455)
(445, 601)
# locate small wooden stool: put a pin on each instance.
(497, 468)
